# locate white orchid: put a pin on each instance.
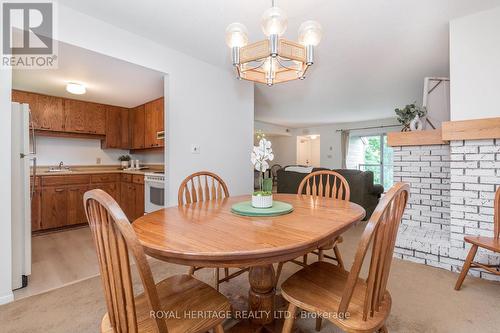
(261, 154)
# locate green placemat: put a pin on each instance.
(245, 208)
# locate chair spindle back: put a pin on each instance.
(201, 186)
(113, 237)
(325, 183)
(382, 229)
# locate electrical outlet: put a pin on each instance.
(195, 149)
(98, 160)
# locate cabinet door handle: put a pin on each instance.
(59, 190)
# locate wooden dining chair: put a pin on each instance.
(489, 243)
(327, 184)
(199, 187)
(274, 172)
(348, 301)
(161, 307)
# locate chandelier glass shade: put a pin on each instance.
(274, 59)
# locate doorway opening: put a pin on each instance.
(308, 150)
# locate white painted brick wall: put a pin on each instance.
(427, 170)
(452, 195)
(475, 175)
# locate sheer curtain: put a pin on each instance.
(344, 143)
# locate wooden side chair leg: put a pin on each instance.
(226, 272)
(288, 325)
(304, 259)
(338, 256)
(465, 268)
(219, 329)
(278, 273)
(192, 269)
(216, 278)
(383, 329)
(321, 255)
(318, 323)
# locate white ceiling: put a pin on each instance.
(108, 80)
(373, 57)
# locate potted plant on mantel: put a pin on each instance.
(261, 154)
(410, 116)
(124, 160)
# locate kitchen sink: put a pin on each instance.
(59, 170)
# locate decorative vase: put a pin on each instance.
(262, 201)
(416, 124)
(124, 164)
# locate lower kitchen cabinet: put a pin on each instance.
(76, 211)
(36, 210)
(132, 199)
(58, 200)
(54, 207)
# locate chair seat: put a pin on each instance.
(318, 288)
(180, 294)
(489, 243)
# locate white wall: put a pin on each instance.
(271, 129)
(5, 188)
(52, 150)
(205, 105)
(284, 149)
(475, 65)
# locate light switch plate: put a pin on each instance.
(195, 149)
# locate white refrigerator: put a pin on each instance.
(23, 164)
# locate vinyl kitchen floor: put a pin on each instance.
(60, 258)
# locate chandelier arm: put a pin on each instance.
(258, 66)
(282, 65)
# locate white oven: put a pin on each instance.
(154, 191)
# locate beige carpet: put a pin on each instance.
(423, 301)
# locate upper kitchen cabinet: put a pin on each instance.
(85, 117)
(117, 128)
(137, 127)
(47, 111)
(154, 120)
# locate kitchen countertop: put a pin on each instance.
(89, 170)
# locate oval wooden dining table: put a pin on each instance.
(208, 234)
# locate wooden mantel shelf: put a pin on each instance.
(475, 129)
(416, 138)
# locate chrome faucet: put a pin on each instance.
(61, 165)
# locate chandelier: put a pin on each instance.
(275, 59)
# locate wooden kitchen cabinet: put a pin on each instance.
(75, 116)
(84, 117)
(54, 207)
(132, 196)
(117, 128)
(125, 128)
(137, 127)
(36, 210)
(47, 111)
(96, 118)
(127, 200)
(76, 211)
(154, 119)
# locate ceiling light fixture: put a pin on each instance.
(76, 88)
(275, 59)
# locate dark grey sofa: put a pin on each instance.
(363, 191)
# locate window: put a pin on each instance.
(371, 153)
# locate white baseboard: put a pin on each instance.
(4, 299)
